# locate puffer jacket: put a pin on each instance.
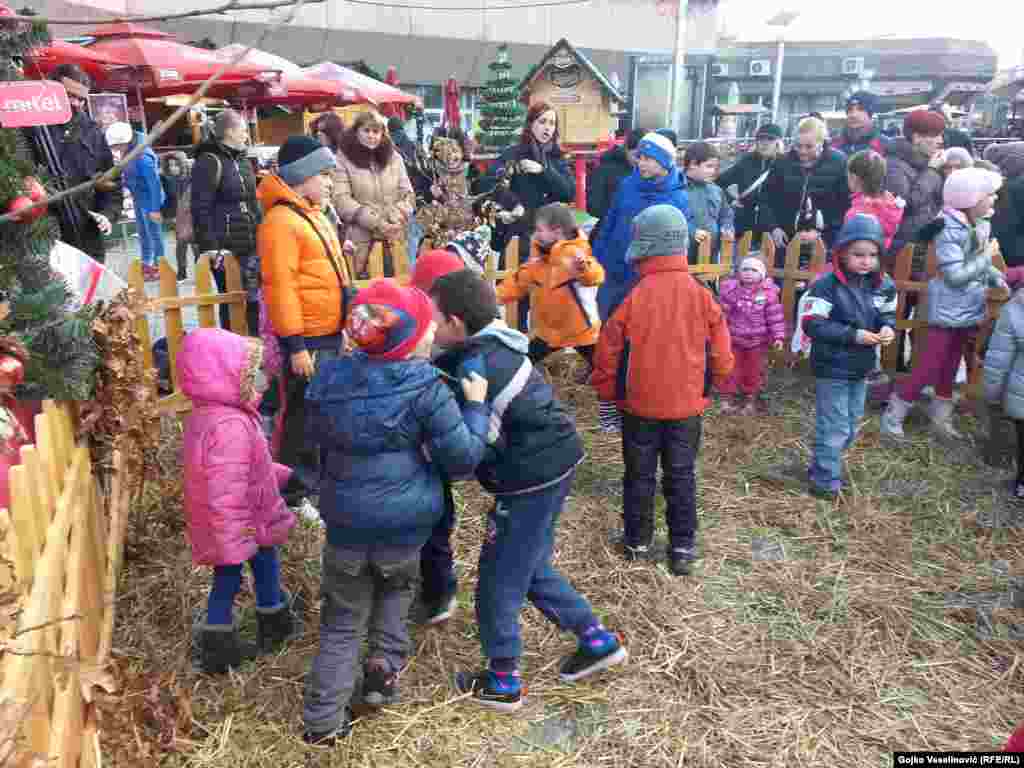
(790, 186)
(650, 361)
(754, 313)
(369, 198)
(743, 174)
(381, 427)
(563, 305)
(304, 298)
(834, 309)
(1004, 361)
(956, 296)
(711, 212)
(616, 233)
(532, 437)
(232, 500)
(142, 178)
(908, 176)
(212, 203)
(886, 208)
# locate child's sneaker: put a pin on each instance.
(608, 417)
(439, 611)
(1018, 492)
(598, 650)
(635, 553)
(680, 560)
(503, 692)
(749, 408)
(380, 684)
(330, 738)
(729, 404)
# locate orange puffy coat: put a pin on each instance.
(563, 301)
(300, 286)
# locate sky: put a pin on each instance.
(999, 23)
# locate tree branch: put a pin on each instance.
(228, 7)
(163, 126)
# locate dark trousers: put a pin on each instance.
(252, 308)
(296, 451)
(675, 444)
(539, 349)
(437, 565)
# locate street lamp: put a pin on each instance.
(782, 20)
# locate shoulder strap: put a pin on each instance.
(323, 240)
(219, 175)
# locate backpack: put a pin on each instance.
(184, 227)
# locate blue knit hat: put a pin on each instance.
(862, 226)
(301, 157)
(658, 148)
(863, 99)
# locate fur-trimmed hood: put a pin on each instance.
(219, 367)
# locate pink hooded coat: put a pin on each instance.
(753, 312)
(887, 209)
(233, 504)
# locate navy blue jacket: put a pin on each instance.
(743, 173)
(841, 305)
(556, 184)
(213, 203)
(635, 194)
(532, 437)
(375, 423)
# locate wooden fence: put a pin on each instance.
(171, 304)
(66, 544)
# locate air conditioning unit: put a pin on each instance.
(853, 66)
(719, 70)
(761, 68)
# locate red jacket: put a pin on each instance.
(887, 209)
(654, 352)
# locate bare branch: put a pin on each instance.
(228, 7)
(164, 125)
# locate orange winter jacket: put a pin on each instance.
(300, 286)
(563, 304)
(658, 347)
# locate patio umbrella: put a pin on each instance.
(452, 115)
(391, 109)
(370, 90)
(39, 62)
(259, 58)
(292, 90)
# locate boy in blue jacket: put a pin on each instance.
(382, 417)
(142, 178)
(533, 452)
(846, 314)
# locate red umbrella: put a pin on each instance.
(39, 62)
(391, 109)
(452, 116)
(369, 89)
(292, 91)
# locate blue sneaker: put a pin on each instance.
(598, 650)
(502, 692)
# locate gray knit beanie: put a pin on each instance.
(660, 230)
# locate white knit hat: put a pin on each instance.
(119, 133)
(966, 187)
(752, 262)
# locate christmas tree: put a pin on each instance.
(501, 114)
(35, 301)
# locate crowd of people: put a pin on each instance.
(382, 398)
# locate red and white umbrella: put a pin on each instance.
(369, 89)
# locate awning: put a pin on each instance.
(741, 109)
(901, 87)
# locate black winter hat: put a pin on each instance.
(865, 99)
(301, 157)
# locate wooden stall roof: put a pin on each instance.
(564, 44)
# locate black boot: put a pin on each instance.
(221, 648)
(276, 626)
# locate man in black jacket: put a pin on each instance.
(748, 170)
(82, 152)
(615, 165)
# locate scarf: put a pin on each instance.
(541, 153)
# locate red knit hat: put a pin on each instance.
(388, 321)
(432, 265)
(924, 121)
(1016, 742)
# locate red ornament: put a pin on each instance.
(35, 190)
(19, 204)
(12, 372)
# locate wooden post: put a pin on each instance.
(581, 182)
(236, 302)
(205, 286)
(375, 264)
(901, 275)
(174, 328)
(511, 265)
(789, 282)
(137, 281)
(743, 247)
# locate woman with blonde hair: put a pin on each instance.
(372, 192)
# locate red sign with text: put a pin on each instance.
(33, 102)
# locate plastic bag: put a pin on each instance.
(88, 280)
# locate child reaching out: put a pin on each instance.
(845, 323)
(387, 426)
(756, 321)
(561, 278)
(233, 505)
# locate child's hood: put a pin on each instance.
(511, 338)
(219, 367)
(580, 241)
(272, 191)
(356, 376)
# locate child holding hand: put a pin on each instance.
(756, 321)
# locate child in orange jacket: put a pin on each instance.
(561, 279)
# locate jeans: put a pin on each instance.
(839, 407)
(437, 565)
(748, 374)
(938, 362)
(413, 237)
(296, 451)
(515, 565)
(361, 593)
(151, 238)
(675, 443)
(227, 581)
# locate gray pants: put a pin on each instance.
(361, 593)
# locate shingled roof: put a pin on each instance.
(564, 44)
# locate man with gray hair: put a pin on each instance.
(225, 212)
(657, 356)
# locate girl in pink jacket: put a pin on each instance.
(233, 505)
(756, 321)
